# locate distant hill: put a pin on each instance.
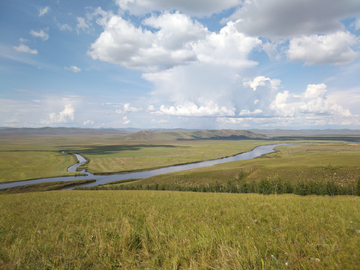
(58, 131)
(224, 134)
(307, 132)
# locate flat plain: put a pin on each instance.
(30, 157)
(336, 162)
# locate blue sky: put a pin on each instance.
(191, 64)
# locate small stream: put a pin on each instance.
(103, 179)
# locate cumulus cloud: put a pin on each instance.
(323, 49)
(41, 34)
(194, 8)
(43, 11)
(125, 120)
(262, 81)
(191, 109)
(311, 103)
(314, 101)
(25, 49)
(227, 48)
(74, 69)
(283, 18)
(280, 106)
(128, 109)
(88, 122)
(66, 116)
(247, 112)
(137, 48)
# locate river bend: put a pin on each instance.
(103, 179)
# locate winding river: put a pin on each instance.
(102, 179)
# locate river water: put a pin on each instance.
(103, 179)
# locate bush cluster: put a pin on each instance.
(265, 186)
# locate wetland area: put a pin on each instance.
(210, 212)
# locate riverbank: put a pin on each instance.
(48, 186)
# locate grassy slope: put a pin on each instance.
(338, 162)
(177, 230)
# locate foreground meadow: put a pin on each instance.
(177, 230)
(30, 157)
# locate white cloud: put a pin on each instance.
(126, 121)
(314, 101)
(191, 109)
(66, 116)
(311, 104)
(25, 49)
(43, 11)
(161, 121)
(82, 24)
(74, 69)
(262, 81)
(128, 109)
(151, 108)
(323, 49)
(41, 34)
(227, 48)
(284, 18)
(357, 24)
(247, 112)
(64, 27)
(280, 106)
(137, 48)
(194, 8)
(88, 122)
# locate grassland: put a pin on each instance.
(24, 165)
(335, 162)
(177, 230)
(29, 157)
(130, 156)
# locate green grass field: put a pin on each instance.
(177, 230)
(29, 157)
(130, 156)
(336, 162)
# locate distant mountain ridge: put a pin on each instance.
(306, 132)
(58, 131)
(223, 134)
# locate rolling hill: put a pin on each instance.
(223, 134)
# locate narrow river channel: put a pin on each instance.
(103, 179)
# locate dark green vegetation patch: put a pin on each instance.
(47, 186)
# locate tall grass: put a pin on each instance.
(177, 230)
(265, 186)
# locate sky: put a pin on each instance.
(204, 64)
